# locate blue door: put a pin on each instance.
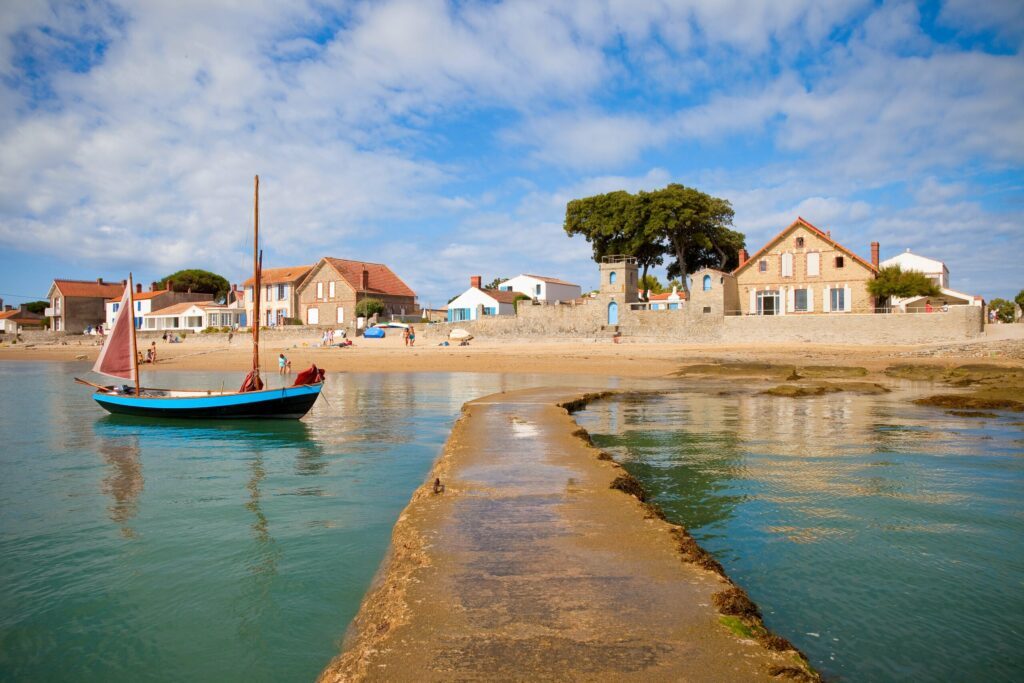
(613, 313)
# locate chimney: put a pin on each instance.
(7, 307)
(24, 308)
(99, 281)
(138, 288)
(152, 287)
(874, 254)
(744, 256)
(364, 282)
(474, 281)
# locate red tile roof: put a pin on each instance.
(89, 288)
(503, 296)
(23, 317)
(382, 280)
(800, 222)
(276, 276)
(139, 296)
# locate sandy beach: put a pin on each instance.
(569, 356)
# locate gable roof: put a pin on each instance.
(552, 280)
(277, 276)
(19, 315)
(502, 296)
(801, 223)
(175, 309)
(89, 288)
(381, 279)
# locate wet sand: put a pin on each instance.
(528, 566)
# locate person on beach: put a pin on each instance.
(282, 363)
(412, 335)
(231, 336)
(152, 352)
(405, 336)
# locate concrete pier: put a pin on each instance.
(528, 566)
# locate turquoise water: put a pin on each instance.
(885, 540)
(163, 551)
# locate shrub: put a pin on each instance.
(368, 307)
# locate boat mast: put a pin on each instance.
(256, 283)
(131, 323)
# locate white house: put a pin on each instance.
(147, 302)
(194, 317)
(476, 302)
(666, 301)
(937, 272)
(934, 269)
(546, 289)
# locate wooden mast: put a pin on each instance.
(256, 284)
(131, 323)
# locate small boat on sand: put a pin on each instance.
(119, 358)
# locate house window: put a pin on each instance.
(490, 310)
(280, 316)
(505, 288)
(707, 309)
(813, 264)
(116, 306)
(840, 262)
(612, 276)
(800, 300)
(787, 265)
(838, 298)
(330, 289)
(282, 292)
(707, 283)
(799, 242)
(537, 290)
(138, 305)
(270, 290)
(762, 265)
(458, 314)
(768, 302)
(319, 290)
(138, 322)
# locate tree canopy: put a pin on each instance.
(1019, 298)
(196, 280)
(493, 284)
(689, 227)
(894, 281)
(649, 283)
(1003, 308)
(39, 307)
(367, 308)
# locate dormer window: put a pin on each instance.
(840, 262)
(799, 242)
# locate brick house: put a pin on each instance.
(329, 293)
(78, 304)
(803, 270)
(279, 298)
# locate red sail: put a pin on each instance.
(116, 359)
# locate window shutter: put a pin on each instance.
(810, 299)
(826, 301)
(813, 264)
(847, 299)
(787, 265)
(791, 300)
(753, 301)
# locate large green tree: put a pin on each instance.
(38, 307)
(1003, 308)
(196, 280)
(1019, 298)
(680, 223)
(894, 281)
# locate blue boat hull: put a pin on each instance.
(288, 403)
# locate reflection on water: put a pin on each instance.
(196, 550)
(882, 538)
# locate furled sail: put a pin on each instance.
(117, 358)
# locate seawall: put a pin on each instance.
(525, 564)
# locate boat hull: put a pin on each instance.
(288, 403)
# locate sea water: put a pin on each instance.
(884, 539)
(202, 551)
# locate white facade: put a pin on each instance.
(467, 305)
(548, 290)
(142, 307)
(176, 318)
(934, 269)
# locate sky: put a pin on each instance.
(445, 138)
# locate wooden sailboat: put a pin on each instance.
(119, 359)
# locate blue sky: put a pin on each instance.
(445, 138)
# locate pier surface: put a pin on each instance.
(527, 566)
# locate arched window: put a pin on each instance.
(611, 278)
(707, 283)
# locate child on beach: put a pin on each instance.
(405, 336)
(282, 364)
(412, 335)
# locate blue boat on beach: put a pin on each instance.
(119, 358)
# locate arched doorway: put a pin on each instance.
(613, 313)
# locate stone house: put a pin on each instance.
(540, 288)
(803, 270)
(477, 302)
(713, 292)
(147, 302)
(330, 291)
(280, 296)
(79, 304)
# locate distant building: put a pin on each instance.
(14, 320)
(666, 301)
(803, 270)
(146, 302)
(279, 298)
(937, 272)
(329, 293)
(477, 302)
(193, 316)
(79, 304)
(546, 289)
